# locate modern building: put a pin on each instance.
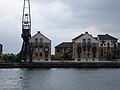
(107, 44)
(1, 50)
(85, 48)
(41, 47)
(65, 50)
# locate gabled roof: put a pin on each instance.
(77, 37)
(106, 37)
(82, 35)
(95, 38)
(39, 33)
(65, 45)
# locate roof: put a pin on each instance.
(106, 37)
(64, 44)
(78, 37)
(39, 33)
(95, 38)
(82, 35)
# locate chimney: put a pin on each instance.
(86, 32)
(38, 31)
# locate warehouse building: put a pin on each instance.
(85, 48)
(41, 47)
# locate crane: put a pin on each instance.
(26, 52)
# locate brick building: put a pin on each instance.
(41, 47)
(65, 48)
(85, 48)
(107, 44)
(82, 48)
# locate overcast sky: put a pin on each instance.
(59, 20)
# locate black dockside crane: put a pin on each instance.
(26, 52)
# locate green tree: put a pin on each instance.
(58, 56)
(66, 56)
(10, 57)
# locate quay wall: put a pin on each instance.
(62, 65)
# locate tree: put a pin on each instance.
(66, 56)
(10, 57)
(58, 56)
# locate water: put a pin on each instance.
(60, 79)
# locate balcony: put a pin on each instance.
(41, 45)
(36, 45)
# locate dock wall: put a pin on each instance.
(62, 65)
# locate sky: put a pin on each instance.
(59, 20)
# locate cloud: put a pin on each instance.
(59, 20)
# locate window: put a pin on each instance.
(94, 55)
(65, 49)
(36, 40)
(79, 55)
(89, 41)
(46, 49)
(41, 43)
(111, 41)
(36, 54)
(108, 48)
(104, 44)
(84, 41)
(41, 40)
(40, 54)
(89, 49)
(108, 44)
(88, 54)
(46, 55)
(84, 49)
(40, 49)
(94, 49)
(79, 50)
(111, 44)
(36, 49)
(101, 44)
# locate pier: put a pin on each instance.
(66, 64)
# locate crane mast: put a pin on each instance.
(25, 53)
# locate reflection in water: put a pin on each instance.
(59, 79)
